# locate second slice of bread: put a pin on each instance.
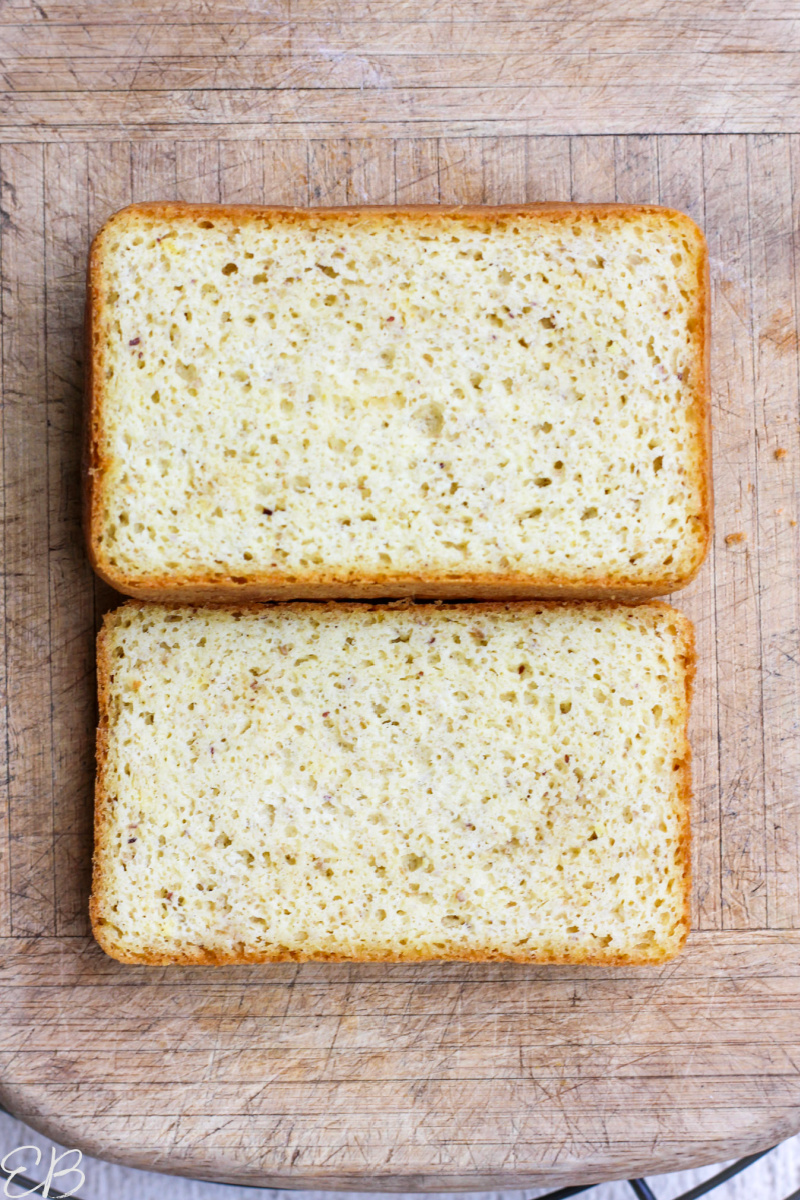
(454, 403)
(396, 782)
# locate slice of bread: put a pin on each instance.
(397, 782)
(468, 403)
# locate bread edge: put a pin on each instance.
(327, 585)
(683, 801)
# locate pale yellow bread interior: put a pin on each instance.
(302, 403)
(399, 783)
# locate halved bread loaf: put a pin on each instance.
(399, 782)
(456, 403)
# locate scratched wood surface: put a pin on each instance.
(436, 1076)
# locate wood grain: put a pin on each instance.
(416, 169)
(636, 170)
(197, 171)
(461, 170)
(5, 742)
(154, 170)
(505, 170)
(736, 591)
(339, 1075)
(101, 12)
(592, 169)
(443, 1076)
(400, 32)
(680, 182)
(71, 595)
(241, 172)
(496, 58)
(480, 69)
(775, 342)
(31, 845)
(370, 174)
(548, 169)
(287, 170)
(328, 164)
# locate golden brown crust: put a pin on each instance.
(703, 377)
(203, 588)
(205, 957)
(319, 586)
(92, 462)
(101, 801)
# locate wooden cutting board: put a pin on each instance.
(433, 1076)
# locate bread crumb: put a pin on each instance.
(733, 539)
(475, 813)
(781, 453)
(373, 399)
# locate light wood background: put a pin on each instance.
(436, 1076)
(775, 1176)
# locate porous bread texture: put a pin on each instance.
(393, 782)
(462, 403)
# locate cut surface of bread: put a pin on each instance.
(396, 782)
(458, 403)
